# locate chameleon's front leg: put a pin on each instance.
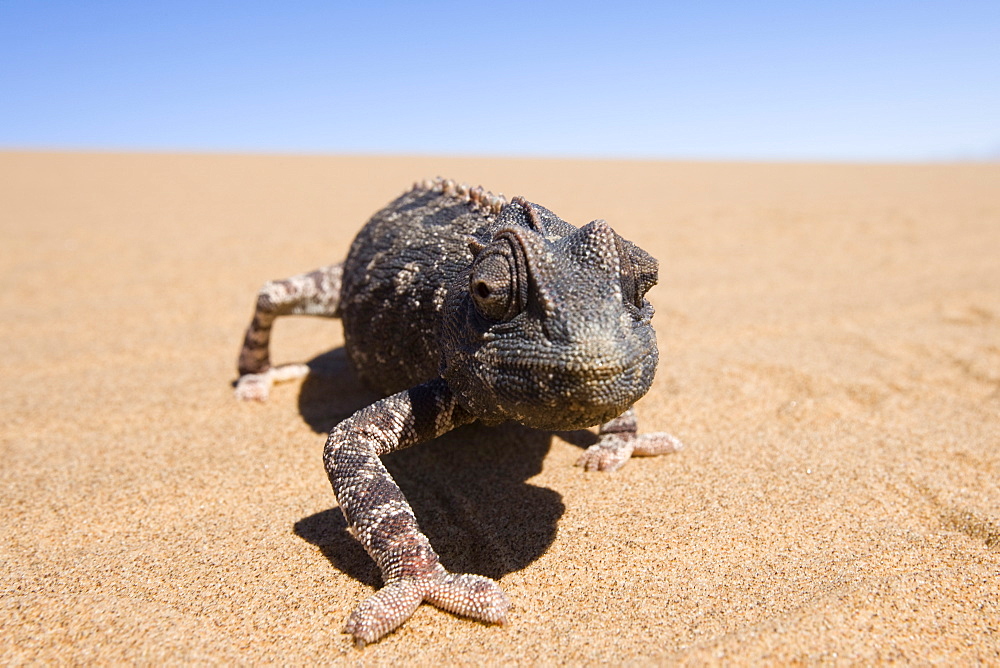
(618, 440)
(383, 521)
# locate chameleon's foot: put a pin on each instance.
(257, 386)
(472, 596)
(609, 454)
(612, 450)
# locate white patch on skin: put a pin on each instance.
(405, 278)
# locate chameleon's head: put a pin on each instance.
(549, 326)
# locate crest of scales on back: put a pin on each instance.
(458, 306)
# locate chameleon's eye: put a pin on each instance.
(646, 271)
(495, 284)
(639, 271)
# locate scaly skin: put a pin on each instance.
(458, 306)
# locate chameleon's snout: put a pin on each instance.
(559, 387)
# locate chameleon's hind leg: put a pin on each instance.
(315, 293)
(618, 440)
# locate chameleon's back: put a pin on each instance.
(396, 276)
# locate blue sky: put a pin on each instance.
(887, 81)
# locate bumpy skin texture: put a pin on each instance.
(458, 306)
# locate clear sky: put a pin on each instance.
(835, 80)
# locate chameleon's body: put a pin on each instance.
(458, 305)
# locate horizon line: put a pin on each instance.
(580, 157)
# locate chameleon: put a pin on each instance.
(460, 305)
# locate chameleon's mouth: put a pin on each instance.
(554, 371)
(551, 389)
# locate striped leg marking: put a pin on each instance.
(314, 293)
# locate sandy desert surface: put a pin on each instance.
(829, 352)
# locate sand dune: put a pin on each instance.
(830, 353)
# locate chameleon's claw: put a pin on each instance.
(472, 596)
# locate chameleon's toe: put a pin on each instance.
(254, 386)
(472, 596)
(608, 454)
(612, 451)
(659, 443)
(257, 386)
(385, 610)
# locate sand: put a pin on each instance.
(830, 354)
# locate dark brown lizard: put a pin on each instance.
(457, 306)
